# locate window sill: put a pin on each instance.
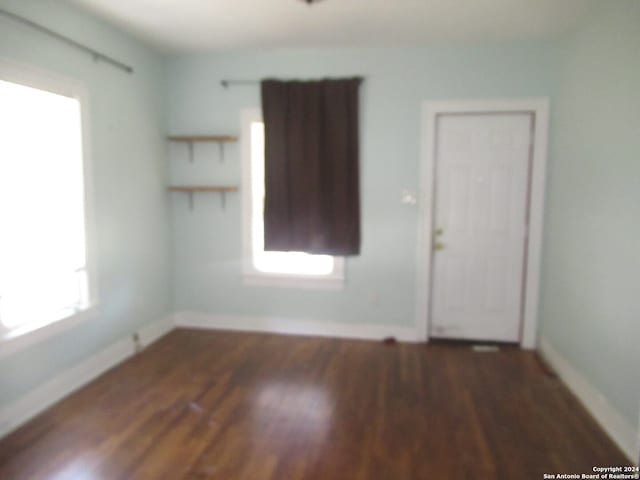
(18, 339)
(256, 279)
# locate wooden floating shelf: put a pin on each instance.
(203, 138)
(191, 189)
(204, 188)
(191, 139)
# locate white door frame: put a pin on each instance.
(539, 107)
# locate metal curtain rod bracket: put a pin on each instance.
(97, 56)
(226, 83)
(229, 83)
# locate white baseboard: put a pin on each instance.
(620, 431)
(154, 331)
(18, 412)
(294, 327)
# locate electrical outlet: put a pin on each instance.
(374, 298)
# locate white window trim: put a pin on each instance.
(252, 276)
(13, 340)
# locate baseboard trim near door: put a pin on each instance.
(301, 327)
(23, 409)
(614, 424)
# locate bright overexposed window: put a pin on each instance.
(43, 258)
(277, 264)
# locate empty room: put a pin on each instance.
(319, 239)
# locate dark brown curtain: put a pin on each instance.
(312, 196)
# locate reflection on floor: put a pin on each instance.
(249, 406)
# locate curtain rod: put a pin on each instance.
(229, 83)
(244, 82)
(97, 56)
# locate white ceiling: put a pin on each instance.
(197, 25)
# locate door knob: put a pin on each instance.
(438, 245)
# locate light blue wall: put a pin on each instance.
(380, 283)
(589, 310)
(590, 306)
(128, 151)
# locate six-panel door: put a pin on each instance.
(480, 225)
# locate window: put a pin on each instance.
(44, 275)
(277, 268)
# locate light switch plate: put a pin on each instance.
(409, 197)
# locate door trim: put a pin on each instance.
(539, 107)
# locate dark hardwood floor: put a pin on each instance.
(229, 406)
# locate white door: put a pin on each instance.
(480, 225)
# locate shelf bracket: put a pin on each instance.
(223, 200)
(191, 201)
(190, 147)
(221, 147)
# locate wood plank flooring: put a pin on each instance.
(219, 405)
